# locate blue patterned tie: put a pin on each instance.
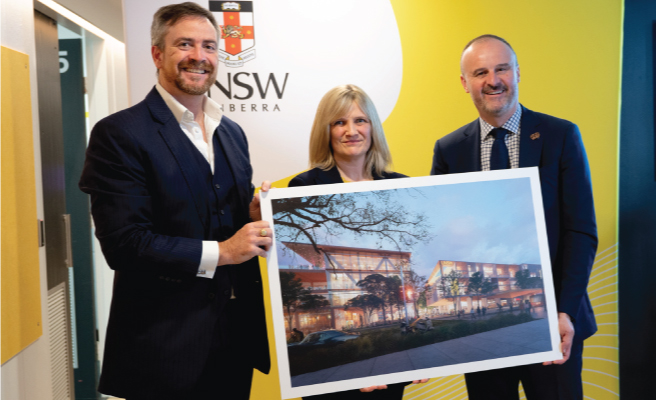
(499, 158)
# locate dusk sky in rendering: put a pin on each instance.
(490, 221)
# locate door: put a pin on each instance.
(57, 222)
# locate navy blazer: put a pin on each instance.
(317, 176)
(557, 149)
(150, 205)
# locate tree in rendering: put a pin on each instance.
(526, 281)
(479, 286)
(368, 303)
(449, 287)
(295, 297)
(394, 294)
(420, 289)
(373, 214)
(376, 285)
(422, 299)
(311, 301)
(291, 289)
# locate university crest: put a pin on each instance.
(236, 31)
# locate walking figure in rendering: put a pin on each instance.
(297, 335)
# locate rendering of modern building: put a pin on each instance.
(333, 272)
(503, 277)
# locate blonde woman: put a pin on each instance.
(347, 144)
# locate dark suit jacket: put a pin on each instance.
(317, 176)
(151, 208)
(566, 194)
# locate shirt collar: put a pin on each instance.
(511, 125)
(182, 114)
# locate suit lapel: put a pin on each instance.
(328, 177)
(177, 143)
(468, 160)
(237, 163)
(530, 140)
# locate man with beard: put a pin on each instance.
(173, 206)
(508, 135)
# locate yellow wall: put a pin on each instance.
(569, 56)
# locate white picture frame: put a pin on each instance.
(517, 201)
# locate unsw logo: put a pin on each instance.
(237, 46)
(236, 29)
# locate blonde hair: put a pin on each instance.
(334, 105)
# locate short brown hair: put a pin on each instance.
(335, 104)
(486, 37)
(167, 16)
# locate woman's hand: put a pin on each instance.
(372, 388)
(379, 387)
(254, 209)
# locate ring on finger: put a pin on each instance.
(263, 232)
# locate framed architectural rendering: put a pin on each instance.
(401, 279)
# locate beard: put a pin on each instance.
(191, 87)
(498, 108)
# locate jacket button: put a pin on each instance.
(222, 212)
(216, 185)
(227, 292)
(210, 296)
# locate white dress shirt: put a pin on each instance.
(513, 126)
(210, 255)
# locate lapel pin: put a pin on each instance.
(534, 136)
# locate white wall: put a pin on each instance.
(27, 375)
(107, 90)
(106, 14)
(325, 47)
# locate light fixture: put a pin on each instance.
(83, 23)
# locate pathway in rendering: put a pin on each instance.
(530, 337)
